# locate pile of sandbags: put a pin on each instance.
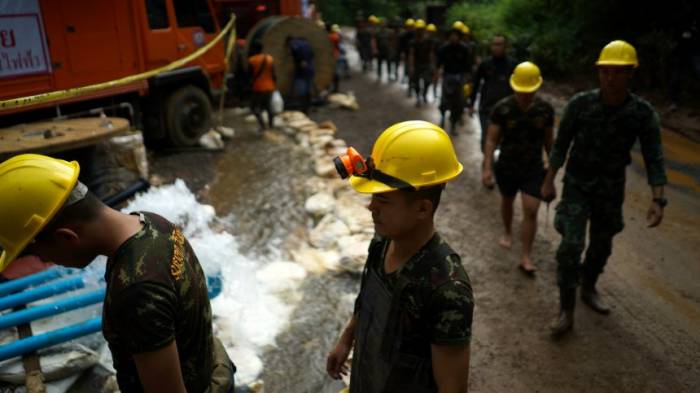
(342, 226)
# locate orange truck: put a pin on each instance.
(50, 45)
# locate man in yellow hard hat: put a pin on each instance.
(363, 42)
(522, 125)
(156, 314)
(454, 63)
(421, 63)
(411, 326)
(597, 130)
(405, 39)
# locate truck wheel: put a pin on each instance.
(187, 116)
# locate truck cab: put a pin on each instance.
(74, 43)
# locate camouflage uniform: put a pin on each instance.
(520, 166)
(432, 304)
(157, 293)
(594, 183)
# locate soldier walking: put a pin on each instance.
(522, 124)
(598, 129)
(421, 62)
(454, 63)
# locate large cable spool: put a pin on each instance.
(272, 32)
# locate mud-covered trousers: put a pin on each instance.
(601, 211)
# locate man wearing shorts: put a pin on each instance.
(522, 124)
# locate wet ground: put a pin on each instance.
(649, 343)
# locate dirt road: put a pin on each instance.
(651, 340)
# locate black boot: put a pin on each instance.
(565, 321)
(591, 298)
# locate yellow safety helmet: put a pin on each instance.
(33, 188)
(417, 153)
(335, 28)
(618, 53)
(373, 19)
(467, 90)
(420, 24)
(409, 22)
(431, 28)
(458, 25)
(526, 78)
(465, 29)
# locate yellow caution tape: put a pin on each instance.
(78, 91)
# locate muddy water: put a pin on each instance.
(259, 189)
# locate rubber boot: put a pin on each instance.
(565, 321)
(590, 296)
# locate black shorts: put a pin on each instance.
(509, 184)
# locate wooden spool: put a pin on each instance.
(272, 32)
(54, 136)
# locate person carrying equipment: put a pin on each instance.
(454, 63)
(598, 129)
(411, 326)
(156, 316)
(522, 124)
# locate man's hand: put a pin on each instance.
(159, 370)
(654, 215)
(487, 178)
(548, 191)
(335, 362)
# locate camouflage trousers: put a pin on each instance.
(574, 213)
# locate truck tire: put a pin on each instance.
(187, 116)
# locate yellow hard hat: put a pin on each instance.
(420, 24)
(467, 90)
(409, 22)
(33, 188)
(618, 53)
(458, 25)
(526, 78)
(415, 152)
(431, 28)
(335, 28)
(465, 29)
(373, 19)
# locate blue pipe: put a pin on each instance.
(28, 281)
(47, 310)
(42, 292)
(31, 344)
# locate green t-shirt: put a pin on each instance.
(157, 293)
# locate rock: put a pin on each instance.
(303, 140)
(212, 141)
(345, 101)
(351, 208)
(326, 232)
(328, 125)
(353, 252)
(301, 123)
(325, 168)
(293, 115)
(319, 141)
(241, 111)
(320, 204)
(226, 132)
(250, 119)
(314, 185)
(317, 261)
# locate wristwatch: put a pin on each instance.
(662, 202)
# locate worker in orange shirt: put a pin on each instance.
(262, 72)
(335, 38)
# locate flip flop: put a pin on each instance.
(528, 272)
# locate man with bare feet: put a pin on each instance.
(522, 124)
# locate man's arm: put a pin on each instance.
(559, 150)
(493, 138)
(451, 367)
(652, 151)
(476, 83)
(159, 370)
(335, 361)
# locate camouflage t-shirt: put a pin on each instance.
(437, 307)
(599, 139)
(157, 293)
(522, 134)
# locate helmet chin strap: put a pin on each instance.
(373, 173)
